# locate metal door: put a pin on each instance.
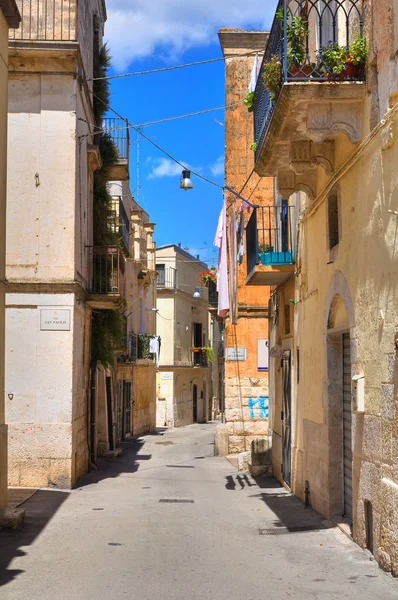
(347, 428)
(286, 418)
(195, 403)
(119, 412)
(127, 407)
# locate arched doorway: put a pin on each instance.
(339, 327)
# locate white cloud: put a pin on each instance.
(217, 168)
(138, 28)
(164, 167)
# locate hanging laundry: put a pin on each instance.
(254, 74)
(154, 348)
(220, 241)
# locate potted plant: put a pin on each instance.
(249, 101)
(357, 57)
(272, 76)
(265, 248)
(208, 354)
(297, 32)
(333, 57)
(207, 276)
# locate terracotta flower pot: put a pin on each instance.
(351, 71)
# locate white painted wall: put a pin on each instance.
(39, 403)
(3, 178)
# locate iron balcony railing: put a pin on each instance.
(47, 20)
(213, 294)
(120, 222)
(107, 270)
(199, 358)
(128, 352)
(270, 236)
(118, 130)
(310, 40)
(166, 278)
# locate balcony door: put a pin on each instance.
(195, 403)
(197, 342)
(161, 271)
(327, 31)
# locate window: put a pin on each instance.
(262, 355)
(287, 318)
(327, 22)
(161, 271)
(333, 219)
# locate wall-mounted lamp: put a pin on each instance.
(196, 293)
(186, 183)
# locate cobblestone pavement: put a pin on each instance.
(169, 521)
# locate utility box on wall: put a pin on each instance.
(358, 393)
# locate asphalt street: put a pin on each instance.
(169, 521)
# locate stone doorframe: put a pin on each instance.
(339, 319)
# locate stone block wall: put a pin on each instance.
(144, 397)
(246, 411)
(246, 387)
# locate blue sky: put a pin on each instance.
(148, 35)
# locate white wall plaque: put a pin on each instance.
(236, 353)
(54, 320)
(166, 376)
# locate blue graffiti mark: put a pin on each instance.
(263, 405)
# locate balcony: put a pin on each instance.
(121, 223)
(200, 358)
(166, 278)
(213, 297)
(129, 352)
(46, 21)
(310, 86)
(107, 277)
(270, 248)
(118, 131)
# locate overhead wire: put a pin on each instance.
(167, 119)
(174, 67)
(148, 139)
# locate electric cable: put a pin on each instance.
(174, 67)
(148, 139)
(167, 119)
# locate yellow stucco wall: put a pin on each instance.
(363, 270)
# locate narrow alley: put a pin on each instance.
(168, 520)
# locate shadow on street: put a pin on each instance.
(291, 514)
(40, 509)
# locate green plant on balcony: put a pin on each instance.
(297, 33)
(333, 57)
(272, 76)
(249, 101)
(253, 147)
(207, 276)
(357, 57)
(144, 341)
(208, 354)
(107, 336)
(264, 248)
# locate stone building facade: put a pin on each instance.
(183, 323)
(9, 18)
(331, 145)
(246, 373)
